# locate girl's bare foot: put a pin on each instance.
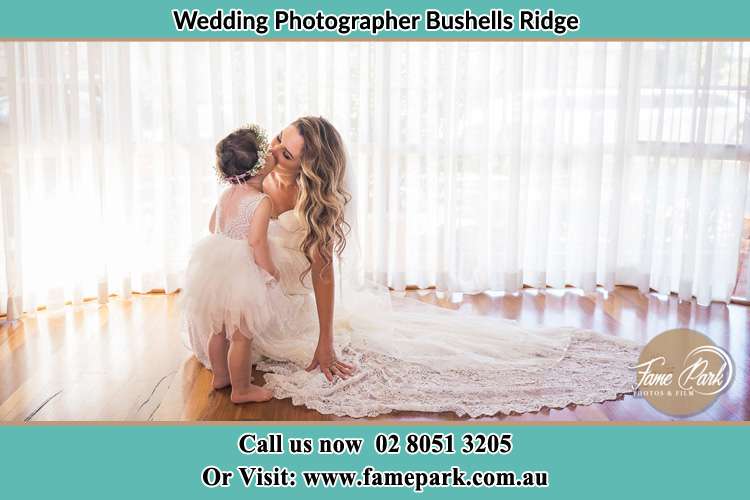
(253, 394)
(220, 382)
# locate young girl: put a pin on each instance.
(231, 289)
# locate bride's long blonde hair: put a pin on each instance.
(322, 192)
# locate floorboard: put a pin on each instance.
(124, 361)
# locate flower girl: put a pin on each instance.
(231, 287)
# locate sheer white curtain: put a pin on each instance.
(481, 165)
(554, 164)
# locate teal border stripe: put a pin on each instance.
(165, 461)
(600, 19)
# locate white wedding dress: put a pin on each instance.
(412, 356)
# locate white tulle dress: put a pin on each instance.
(412, 356)
(225, 290)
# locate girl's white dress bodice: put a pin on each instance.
(412, 356)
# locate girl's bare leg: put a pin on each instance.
(218, 348)
(239, 372)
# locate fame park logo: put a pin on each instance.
(682, 372)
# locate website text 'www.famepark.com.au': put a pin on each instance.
(370, 477)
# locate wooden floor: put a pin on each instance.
(124, 360)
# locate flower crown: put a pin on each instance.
(261, 139)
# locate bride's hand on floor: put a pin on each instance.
(325, 358)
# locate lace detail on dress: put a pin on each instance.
(238, 227)
(595, 368)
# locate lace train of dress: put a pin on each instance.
(412, 356)
(594, 369)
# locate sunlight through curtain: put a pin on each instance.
(481, 166)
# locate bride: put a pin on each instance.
(374, 353)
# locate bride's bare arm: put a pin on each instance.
(324, 287)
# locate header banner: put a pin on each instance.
(375, 20)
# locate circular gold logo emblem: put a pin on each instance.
(682, 372)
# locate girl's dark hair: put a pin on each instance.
(236, 154)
